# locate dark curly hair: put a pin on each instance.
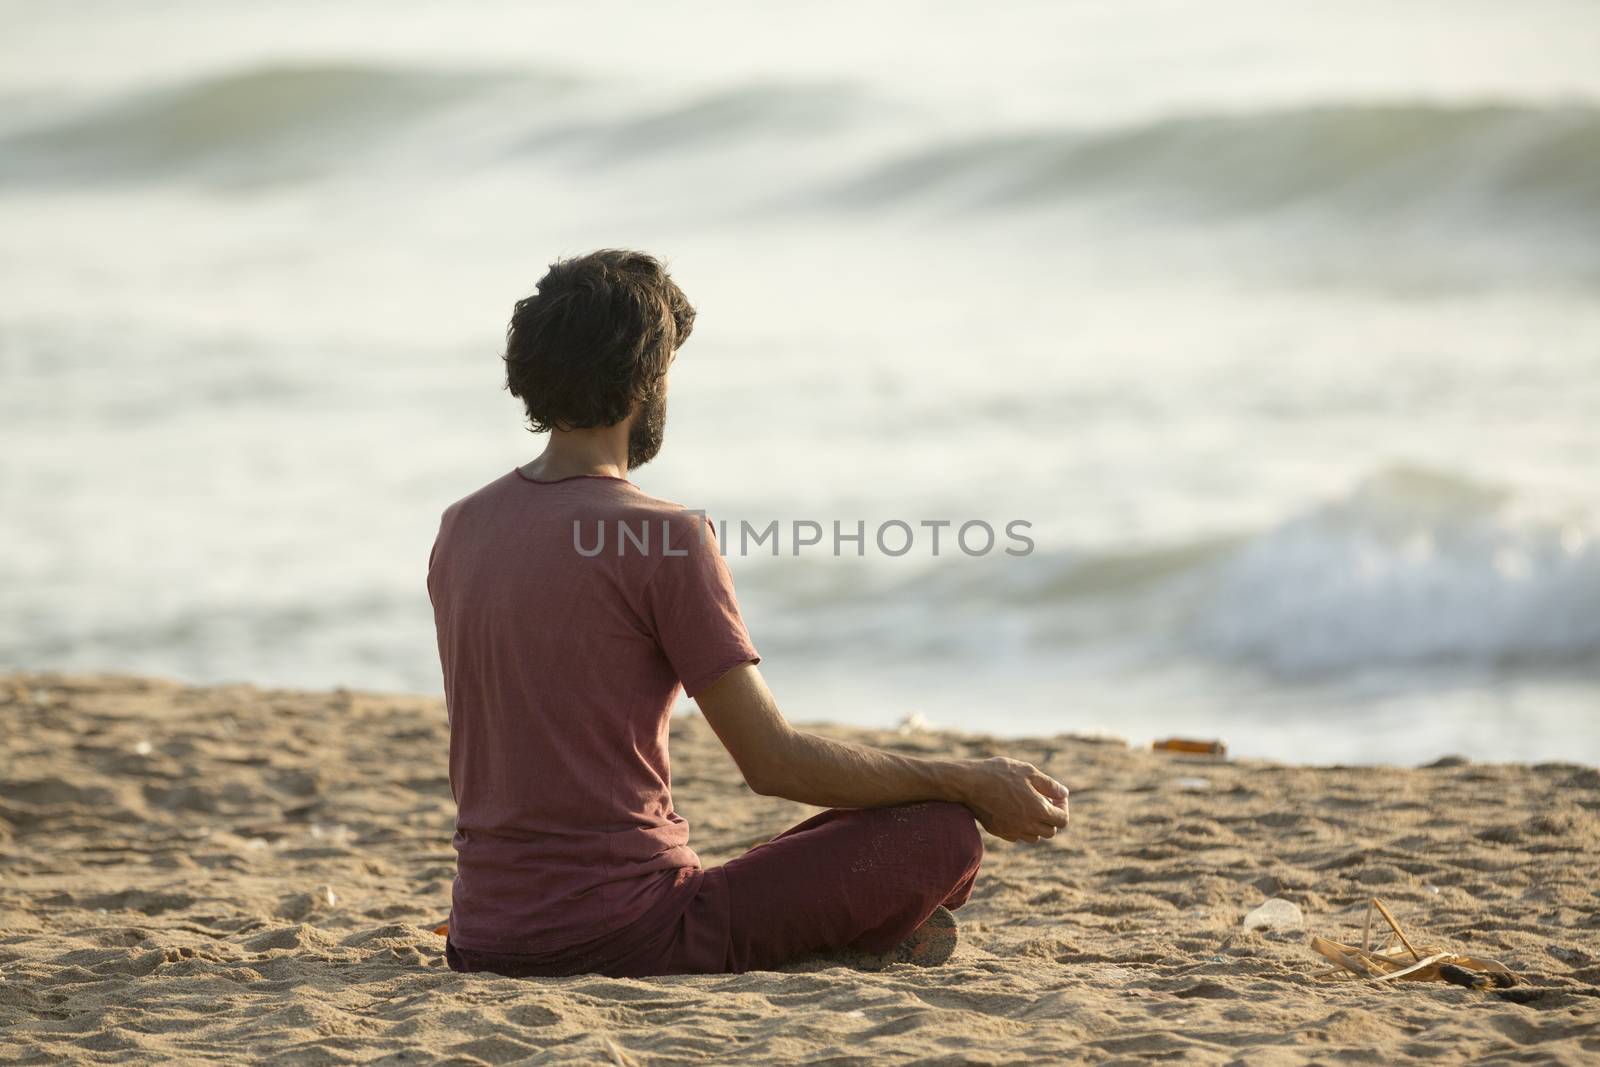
(595, 338)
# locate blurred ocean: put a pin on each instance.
(1277, 321)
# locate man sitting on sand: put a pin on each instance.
(562, 663)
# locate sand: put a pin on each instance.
(243, 874)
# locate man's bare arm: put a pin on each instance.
(1013, 800)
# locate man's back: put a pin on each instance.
(568, 612)
(570, 606)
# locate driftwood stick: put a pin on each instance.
(1338, 953)
(1420, 965)
(1389, 963)
(1401, 934)
(1479, 963)
(1381, 962)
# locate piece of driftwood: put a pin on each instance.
(1388, 918)
(1399, 960)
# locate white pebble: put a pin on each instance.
(1275, 914)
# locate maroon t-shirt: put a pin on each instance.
(568, 614)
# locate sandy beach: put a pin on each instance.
(237, 873)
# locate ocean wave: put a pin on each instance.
(268, 123)
(1500, 163)
(1380, 160)
(736, 115)
(285, 122)
(1411, 567)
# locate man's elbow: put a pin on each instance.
(770, 772)
(768, 764)
(764, 781)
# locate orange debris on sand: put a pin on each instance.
(1187, 744)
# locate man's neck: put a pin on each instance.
(570, 453)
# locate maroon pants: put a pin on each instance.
(846, 878)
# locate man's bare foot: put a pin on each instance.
(928, 945)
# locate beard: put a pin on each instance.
(648, 431)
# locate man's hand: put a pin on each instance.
(1015, 801)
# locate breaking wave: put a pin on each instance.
(264, 124)
(1411, 567)
(289, 122)
(1482, 166)
(1533, 163)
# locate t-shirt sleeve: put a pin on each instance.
(690, 603)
